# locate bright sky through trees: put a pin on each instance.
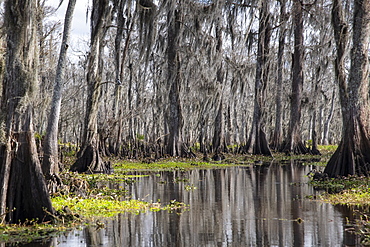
(80, 25)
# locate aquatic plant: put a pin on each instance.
(352, 191)
(91, 208)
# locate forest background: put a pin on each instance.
(213, 79)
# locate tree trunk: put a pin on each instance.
(174, 115)
(293, 142)
(24, 193)
(218, 134)
(325, 138)
(277, 139)
(257, 141)
(50, 162)
(352, 156)
(313, 136)
(88, 158)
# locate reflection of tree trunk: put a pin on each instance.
(294, 143)
(352, 156)
(50, 163)
(296, 207)
(23, 187)
(93, 236)
(259, 197)
(257, 142)
(89, 159)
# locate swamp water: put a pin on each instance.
(264, 205)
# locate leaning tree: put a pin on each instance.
(352, 156)
(50, 164)
(23, 192)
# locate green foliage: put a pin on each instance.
(190, 187)
(123, 166)
(140, 137)
(361, 227)
(38, 136)
(29, 231)
(179, 180)
(353, 191)
(309, 143)
(98, 207)
(175, 206)
(327, 148)
(344, 190)
(196, 147)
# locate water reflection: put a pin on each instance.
(240, 206)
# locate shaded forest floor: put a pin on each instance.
(87, 198)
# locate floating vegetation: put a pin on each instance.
(190, 187)
(353, 191)
(24, 233)
(176, 207)
(179, 180)
(344, 190)
(101, 207)
(91, 208)
(125, 166)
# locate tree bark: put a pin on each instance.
(50, 162)
(174, 115)
(293, 143)
(257, 141)
(88, 158)
(277, 138)
(316, 87)
(23, 192)
(352, 156)
(325, 138)
(218, 134)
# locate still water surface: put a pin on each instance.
(264, 205)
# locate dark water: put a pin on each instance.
(240, 206)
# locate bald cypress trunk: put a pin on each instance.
(24, 193)
(174, 113)
(293, 143)
(277, 138)
(89, 159)
(257, 141)
(218, 140)
(352, 156)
